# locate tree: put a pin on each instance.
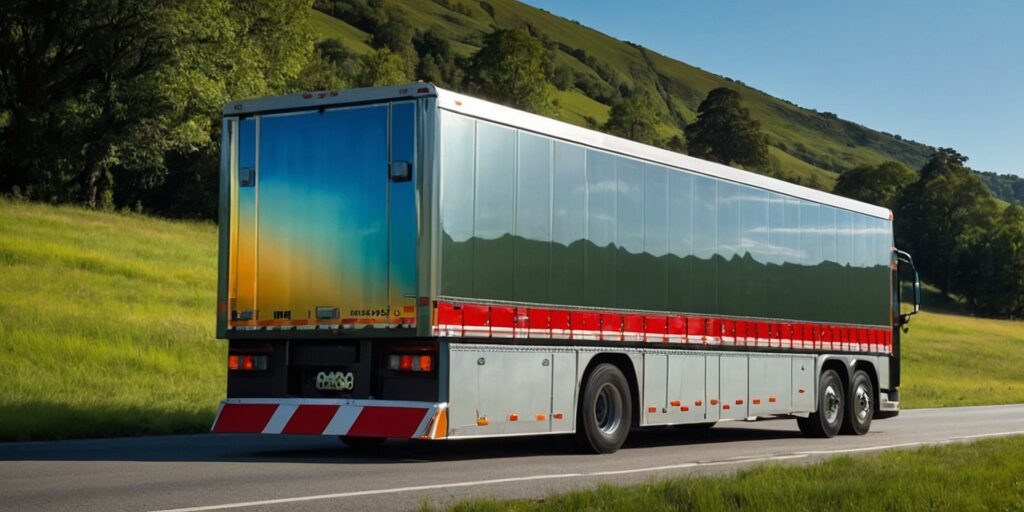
(875, 184)
(381, 67)
(437, 61)
(990, 266)
(512, 68)
(724, 132)
(100, 90)
(935, 214)
(634, 118)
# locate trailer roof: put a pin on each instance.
(482, 109)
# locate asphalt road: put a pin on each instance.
(217, 472)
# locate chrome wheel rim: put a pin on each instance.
(862, 400)
(832, 404)
(608, 409)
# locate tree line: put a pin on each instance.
(116, 104)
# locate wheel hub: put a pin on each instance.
(608, 409)
(862, 399)
(832, 404)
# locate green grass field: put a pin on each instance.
(106, 324)
(107, 328)
(986, 475)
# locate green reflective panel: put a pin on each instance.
(599, 260)
(754, 252)
(655, 238)
(880, 273)
(629, 226)
(825, 293)
(789, 292)
(458, 136)
(705, 245)
(728, 262)
(494, 221)
(680, 213)
(568, 224)
(777, 254)
(844, 257)
(810, 247)
(533, 219)
(861, 245)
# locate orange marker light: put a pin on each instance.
(541, 417)
(757, 401)
(771, 399)
(714, 401)
(557, 416)
(699, 403)
(726, 407)
(652, 409)
(675, 403)
(684, 408)
(426, 363)
(233, 363)
(482, 421)
(513, 417)
(739, 402)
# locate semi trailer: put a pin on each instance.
(410, 262)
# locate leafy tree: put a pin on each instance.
(876, 184)
(935, 214)
(101, 90)
(990, 266)
(724, 132)
(437, 61)
(512, 68)
(676, 143)
(381, 67)
(634, 118)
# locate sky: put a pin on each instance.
(942, 72)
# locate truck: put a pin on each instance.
(408, 262)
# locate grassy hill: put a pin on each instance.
(107, 328)
(806, 144)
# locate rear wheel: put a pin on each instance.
(860, 407)
(605, 412)
(828, 419)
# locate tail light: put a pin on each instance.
(411, 363)
(247, 362)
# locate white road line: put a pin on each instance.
(686, 465)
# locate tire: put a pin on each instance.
(828, 419)
(860, 405)
(363, 444)
(605, 412)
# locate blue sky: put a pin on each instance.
(946, 73)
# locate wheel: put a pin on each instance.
(828, 419)
(363, 443)
(860, 405)
(605, 412)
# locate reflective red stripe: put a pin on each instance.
(244, 418)
(400, 422)
(310, 419)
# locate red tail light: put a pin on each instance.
(411, 363)
(244, 362)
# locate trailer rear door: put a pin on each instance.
(323, 219)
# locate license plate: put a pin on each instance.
(335, 381)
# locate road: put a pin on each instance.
(226, 472)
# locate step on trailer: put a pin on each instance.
(409, 262)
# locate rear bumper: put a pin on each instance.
(333, 417)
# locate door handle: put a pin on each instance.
(400, 171)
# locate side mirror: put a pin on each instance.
(906, 261)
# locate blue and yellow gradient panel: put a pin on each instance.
(313, 234)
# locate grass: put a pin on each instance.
(952, 359)
(107, 328)
(986, 475)
(106, 324)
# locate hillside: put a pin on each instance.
(107, 328)
(806, 145)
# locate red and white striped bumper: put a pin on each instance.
(332, 417)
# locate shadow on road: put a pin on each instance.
(329, 450)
